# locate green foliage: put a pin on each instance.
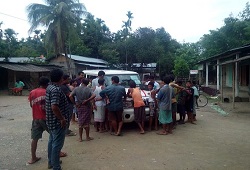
(60, 17)
(95, 33)
(181, 68)
(110, 54)
(234, 33)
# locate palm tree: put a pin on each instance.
(59, 17)
(127, 28)
(127, 24)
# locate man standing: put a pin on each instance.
(94, 83)
(115, 94)
(83, 95)
(57, 113)
(37, 103)
(79, 78)
(164, 97)
(66, 90)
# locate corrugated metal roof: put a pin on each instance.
(22, 59)
(23, 67)
(87, 59)
(228, 53)
(93, 65)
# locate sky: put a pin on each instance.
(184, 20)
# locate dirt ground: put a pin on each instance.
(216, 142)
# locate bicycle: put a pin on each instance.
(202, 100)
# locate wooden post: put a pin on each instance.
(14, 78)
(221, 83)
(233, 85)
(218, 75)
(236, 77)
(206, 74)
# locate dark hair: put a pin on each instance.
(179, 82)
(65, 77)
(189, 82)
(115, 79)
(101, 81)
(56, 75)
(194, 83)
(151, 77)
(132, 84)
(172, 77)
(43, 81)
(167, 79)
(85, 81)
(151, 84)
(80, 72)
(101, 73)
(72, 81)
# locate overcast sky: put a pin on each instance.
(184, 20)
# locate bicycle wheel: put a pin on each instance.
(202, 100)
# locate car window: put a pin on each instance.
(124, 79)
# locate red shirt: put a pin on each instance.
(37, 99)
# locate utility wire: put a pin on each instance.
(13, 16)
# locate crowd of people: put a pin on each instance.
(59, 101)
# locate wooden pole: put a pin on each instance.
(206, 74)
(233, 85)
(218, 75)
(221, 83)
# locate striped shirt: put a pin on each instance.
(55, 96)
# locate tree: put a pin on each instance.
(11, 41)
(181, 68)
(94, 34)
(234, 33)
(59, 17)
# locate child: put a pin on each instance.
(152, 106)
(139, 105)
(189, 102)
(99, 107)
(181, 101)
(195, 99)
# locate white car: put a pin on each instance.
(124, 77)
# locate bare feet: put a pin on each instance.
(32, 161)
(115, 134)
(170, 132)
(162, 133)
(89, 139)
(142, 132)
(80, 140)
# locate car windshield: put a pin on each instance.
(124, 79)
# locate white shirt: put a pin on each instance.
(156, 85)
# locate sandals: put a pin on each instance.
(63, 154)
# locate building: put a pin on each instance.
(74, 63)
(228, 72)
(28, 73)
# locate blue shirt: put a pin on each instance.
(164, 96)
(115, 93)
